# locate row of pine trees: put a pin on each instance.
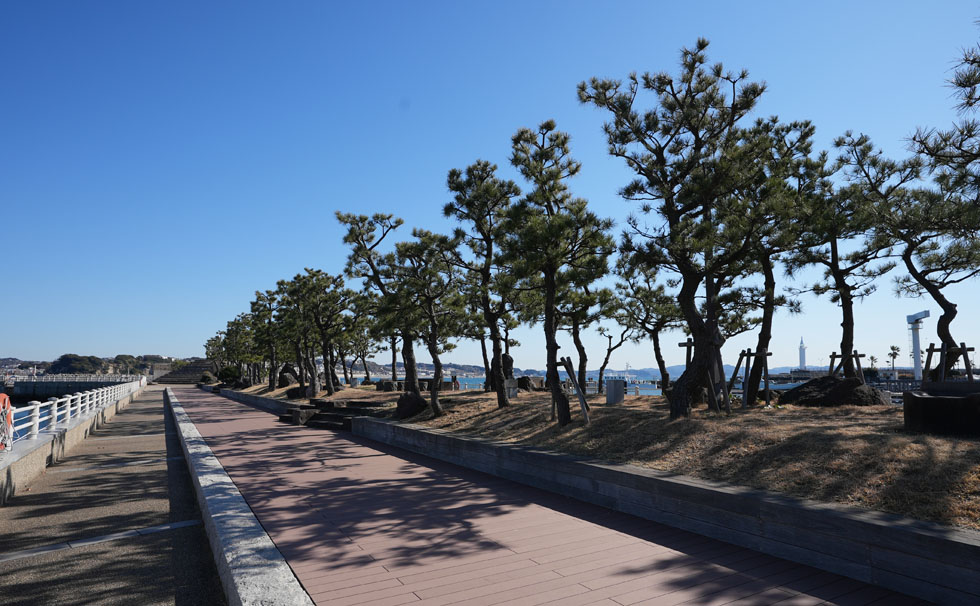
(725, 204)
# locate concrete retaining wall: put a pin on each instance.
(270, 405)
(926, 560)
(252, 570)
(28, 458)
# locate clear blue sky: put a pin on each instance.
(159, 162)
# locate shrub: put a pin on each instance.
(208, 378)
(229, 374)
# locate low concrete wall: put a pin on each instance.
(252, 570)
(926, 560)
(29, 458)
(269, 405)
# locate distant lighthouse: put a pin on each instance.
(802, 355)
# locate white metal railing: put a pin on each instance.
(82, 378)
(59, 412)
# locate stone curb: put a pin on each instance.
(252, 571)
(926, 560)
(29, 458)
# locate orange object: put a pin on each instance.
(6, 422)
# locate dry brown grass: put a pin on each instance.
(852, 455)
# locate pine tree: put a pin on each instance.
(691, 157)
(481, 202)
(364, 236)
(296, 319)
(557, 240)
(264, 313)
(935, 231)
(839, 238)
(773, 200)
(430, 282)
(647, 307)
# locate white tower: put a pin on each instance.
(802, 355)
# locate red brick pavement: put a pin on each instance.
(360, 522)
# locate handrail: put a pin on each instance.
(58, 412)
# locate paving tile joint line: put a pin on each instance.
(76, 543)
(713, 511)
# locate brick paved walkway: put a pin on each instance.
(363, 523)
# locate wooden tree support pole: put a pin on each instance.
(689, 344)
(567, 363)
(731, 382)
(942, 362)
(925, 371)
(857, 363)
(747, 374)
(765, 372)
(721, 379)
(966, 361)
(764, 354)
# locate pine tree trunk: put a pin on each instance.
(605, 362)
(661, 363)
(433, 345)
(300, 366)
(492, 320)
(274, 369)
(309, 359)
(273, 377)
(847, 330)
(846, 302)
(751, 390)
(333, 370)
(558, 398)
(343, 365)
(488, 377)
(394, 359)
(497, 367)
(367, 373)
(686, 390)
(325, 352)
(948, 307)
(710, 309)
(411, 371)
(583, 359)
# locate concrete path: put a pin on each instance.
(114, 523)
(362, 523)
